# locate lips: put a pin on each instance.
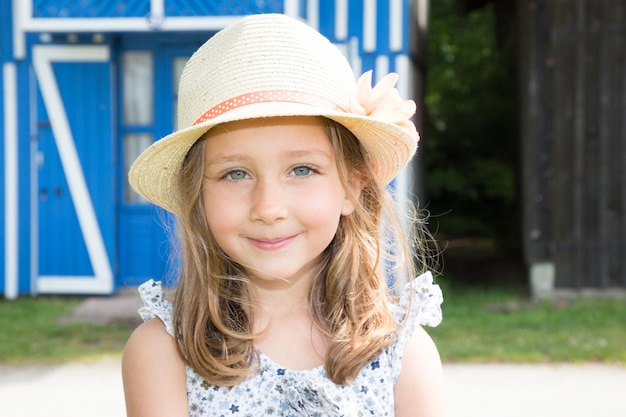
(271, 243)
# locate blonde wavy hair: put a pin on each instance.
(348, 300)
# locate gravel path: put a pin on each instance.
(94, 389)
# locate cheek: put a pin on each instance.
(322, 213)
(219, 213)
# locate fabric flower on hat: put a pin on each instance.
(383, 102)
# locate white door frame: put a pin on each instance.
(102, 282)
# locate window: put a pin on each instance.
(137, 111)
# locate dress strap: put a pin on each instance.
(155, 304)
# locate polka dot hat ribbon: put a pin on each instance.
(265, 97)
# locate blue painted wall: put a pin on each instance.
(133, 237)
(4, 37)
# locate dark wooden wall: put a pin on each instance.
(573, 121)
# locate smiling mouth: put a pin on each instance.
(271, 244)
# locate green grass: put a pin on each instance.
(480, 325)
(497, 325)
(32, 331)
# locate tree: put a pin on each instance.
(471, 120)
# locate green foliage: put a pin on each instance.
(471, 146)
(32, 330)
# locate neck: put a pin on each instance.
(274, 299)
(283, 310)
(273, 296)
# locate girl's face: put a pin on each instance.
(272, 195)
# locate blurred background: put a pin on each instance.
(524, 160)
(521, 106)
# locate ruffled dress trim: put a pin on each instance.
(420, 303)
(155, 304)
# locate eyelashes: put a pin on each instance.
(304, 170)
(238, 174)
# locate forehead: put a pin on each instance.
(288, 122)
(288, 134)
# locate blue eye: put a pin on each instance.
(237, 174)
(302, 171)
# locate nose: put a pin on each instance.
(269, 202)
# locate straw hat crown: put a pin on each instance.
(272, 65)
(263, 53)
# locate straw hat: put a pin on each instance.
(273, 65)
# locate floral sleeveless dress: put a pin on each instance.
(277, 391)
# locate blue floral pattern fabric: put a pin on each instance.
(277, 391)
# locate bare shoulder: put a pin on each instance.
(420, 389)
(153, 373)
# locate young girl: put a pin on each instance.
(288, 239)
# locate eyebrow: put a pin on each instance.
(228, 158)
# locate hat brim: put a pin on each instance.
(155, 173)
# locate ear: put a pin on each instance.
(353, 193)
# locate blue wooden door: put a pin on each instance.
(74, 191)
(149, 71)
